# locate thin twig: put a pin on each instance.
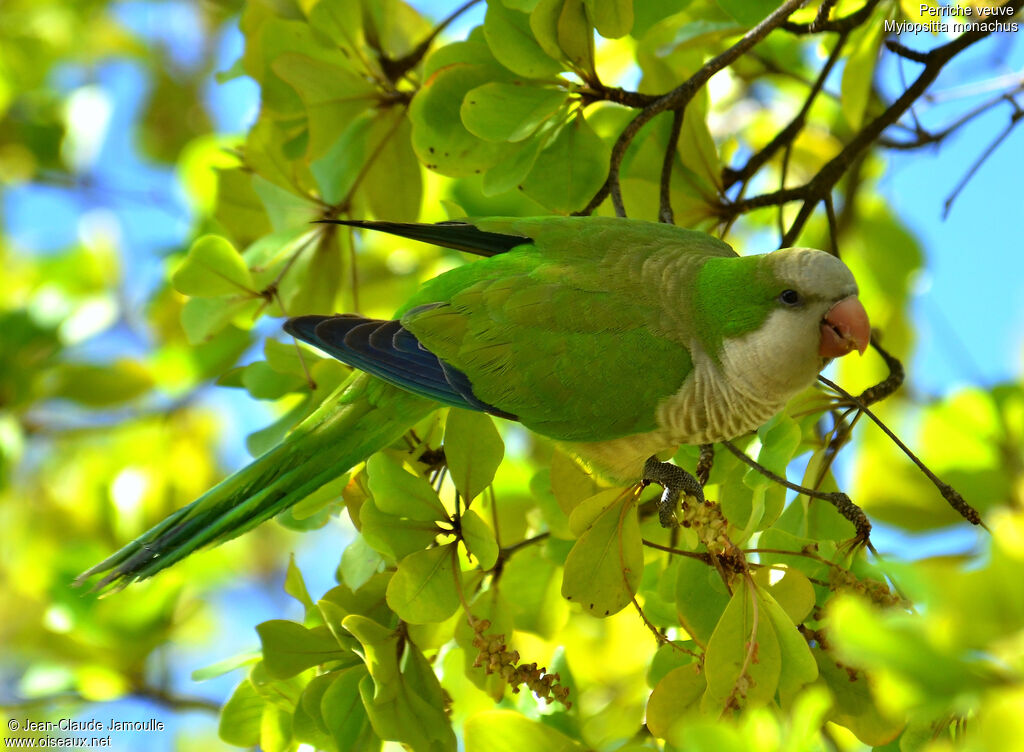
(665, 213)
(813, 191)
(844, 24)
(1014, 119)
(950, 494)
(838, 499)
(786, 136)
(678, 98)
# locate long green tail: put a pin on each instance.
(363, 416)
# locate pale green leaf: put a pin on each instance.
(473, 450)
(398, 492)
(424, 589)
(679, 691)
(570, 170)
(241, 716)
(440, 140)
(479, 539)
(604, 568)
(509, 112)
(511, 40)
(733, 667)
(289, 648)
(701, 598)
(612, 18)
(211, 269)
(506, 731)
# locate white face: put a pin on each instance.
(782, 357)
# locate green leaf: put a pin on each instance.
(679, 691)
(669, 656)
(368, 600)
(797, 668)
(407, 718)
(307, 720)
(394, 536)
(854, 705)
(792, 591)
(479, 539)
(612, 18)
(100, 385)
(440, 140)
(779, 442)
(513, 44)
(264, 383)
(748, 12)
(241, 716)
(275, 729)
(290, 648)
(859, 72)
(238, 208)
(576, 37)
(225, 666)
(320, 502)
(393, 180)
(507, 731)
(570, 170)
(423, 589)
(531, 585)
(396, 711)
(544, 25)
(311, 698)
(343, 713)
(508, 112)
(473, 450)
(295, 586)
(285, 358)
(398, 492)
(332, 94)
(604, 568)
(359, 562)
(202, 318)
(701, 598)
(213, 268)
(570, 483)
(509, 173)
(734, 665)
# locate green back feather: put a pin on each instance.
(543, 330)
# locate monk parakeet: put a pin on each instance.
(619, 338)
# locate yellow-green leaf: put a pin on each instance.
(508, 112)
(603, 570)
(473, 450)
(211, 269)
(423, 589)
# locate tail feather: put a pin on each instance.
(365, 415)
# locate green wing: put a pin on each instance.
(564, 325)
(572, 362)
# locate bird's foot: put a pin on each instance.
(676, 482)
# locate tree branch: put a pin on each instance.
(678, 98)
(841, 25)
(814, 191)
(792, 129)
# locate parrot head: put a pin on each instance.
(815, 314)
(798, 309)
(820, 290)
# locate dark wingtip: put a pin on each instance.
(304, 327)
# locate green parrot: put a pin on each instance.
(618, 338)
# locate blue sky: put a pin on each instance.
(968, 314)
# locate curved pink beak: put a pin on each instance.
(844, 328)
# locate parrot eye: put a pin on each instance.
(790, 297)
